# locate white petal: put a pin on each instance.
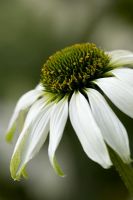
(119, 53)
(120, 93)
(31, 139)
(87, 130)
(22, 107)
(39, 87)
(31, 116)
(121, 57)
(124, 74)
(112, 129)
(58, 120)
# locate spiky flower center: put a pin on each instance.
(73, 68)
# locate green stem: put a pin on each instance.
(125, 170)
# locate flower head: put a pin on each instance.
(75, 82)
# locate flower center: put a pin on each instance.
(73, 68)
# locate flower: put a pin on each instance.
(75, 81)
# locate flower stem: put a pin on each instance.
(125, 170)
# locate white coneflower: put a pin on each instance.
(74, 82)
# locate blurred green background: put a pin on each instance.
(30, 31)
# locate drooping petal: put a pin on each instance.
(33, 112)
(22, 107)
(87, 130)
(31, 139)
(124, 74)
(119, 52)
(39, 87)
(121, 57)
(112, 129)
(120, 93)
(58, 120)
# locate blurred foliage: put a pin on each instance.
(31, 31)
(13, 191)
(124, 9)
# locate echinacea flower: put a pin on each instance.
(76, 82)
